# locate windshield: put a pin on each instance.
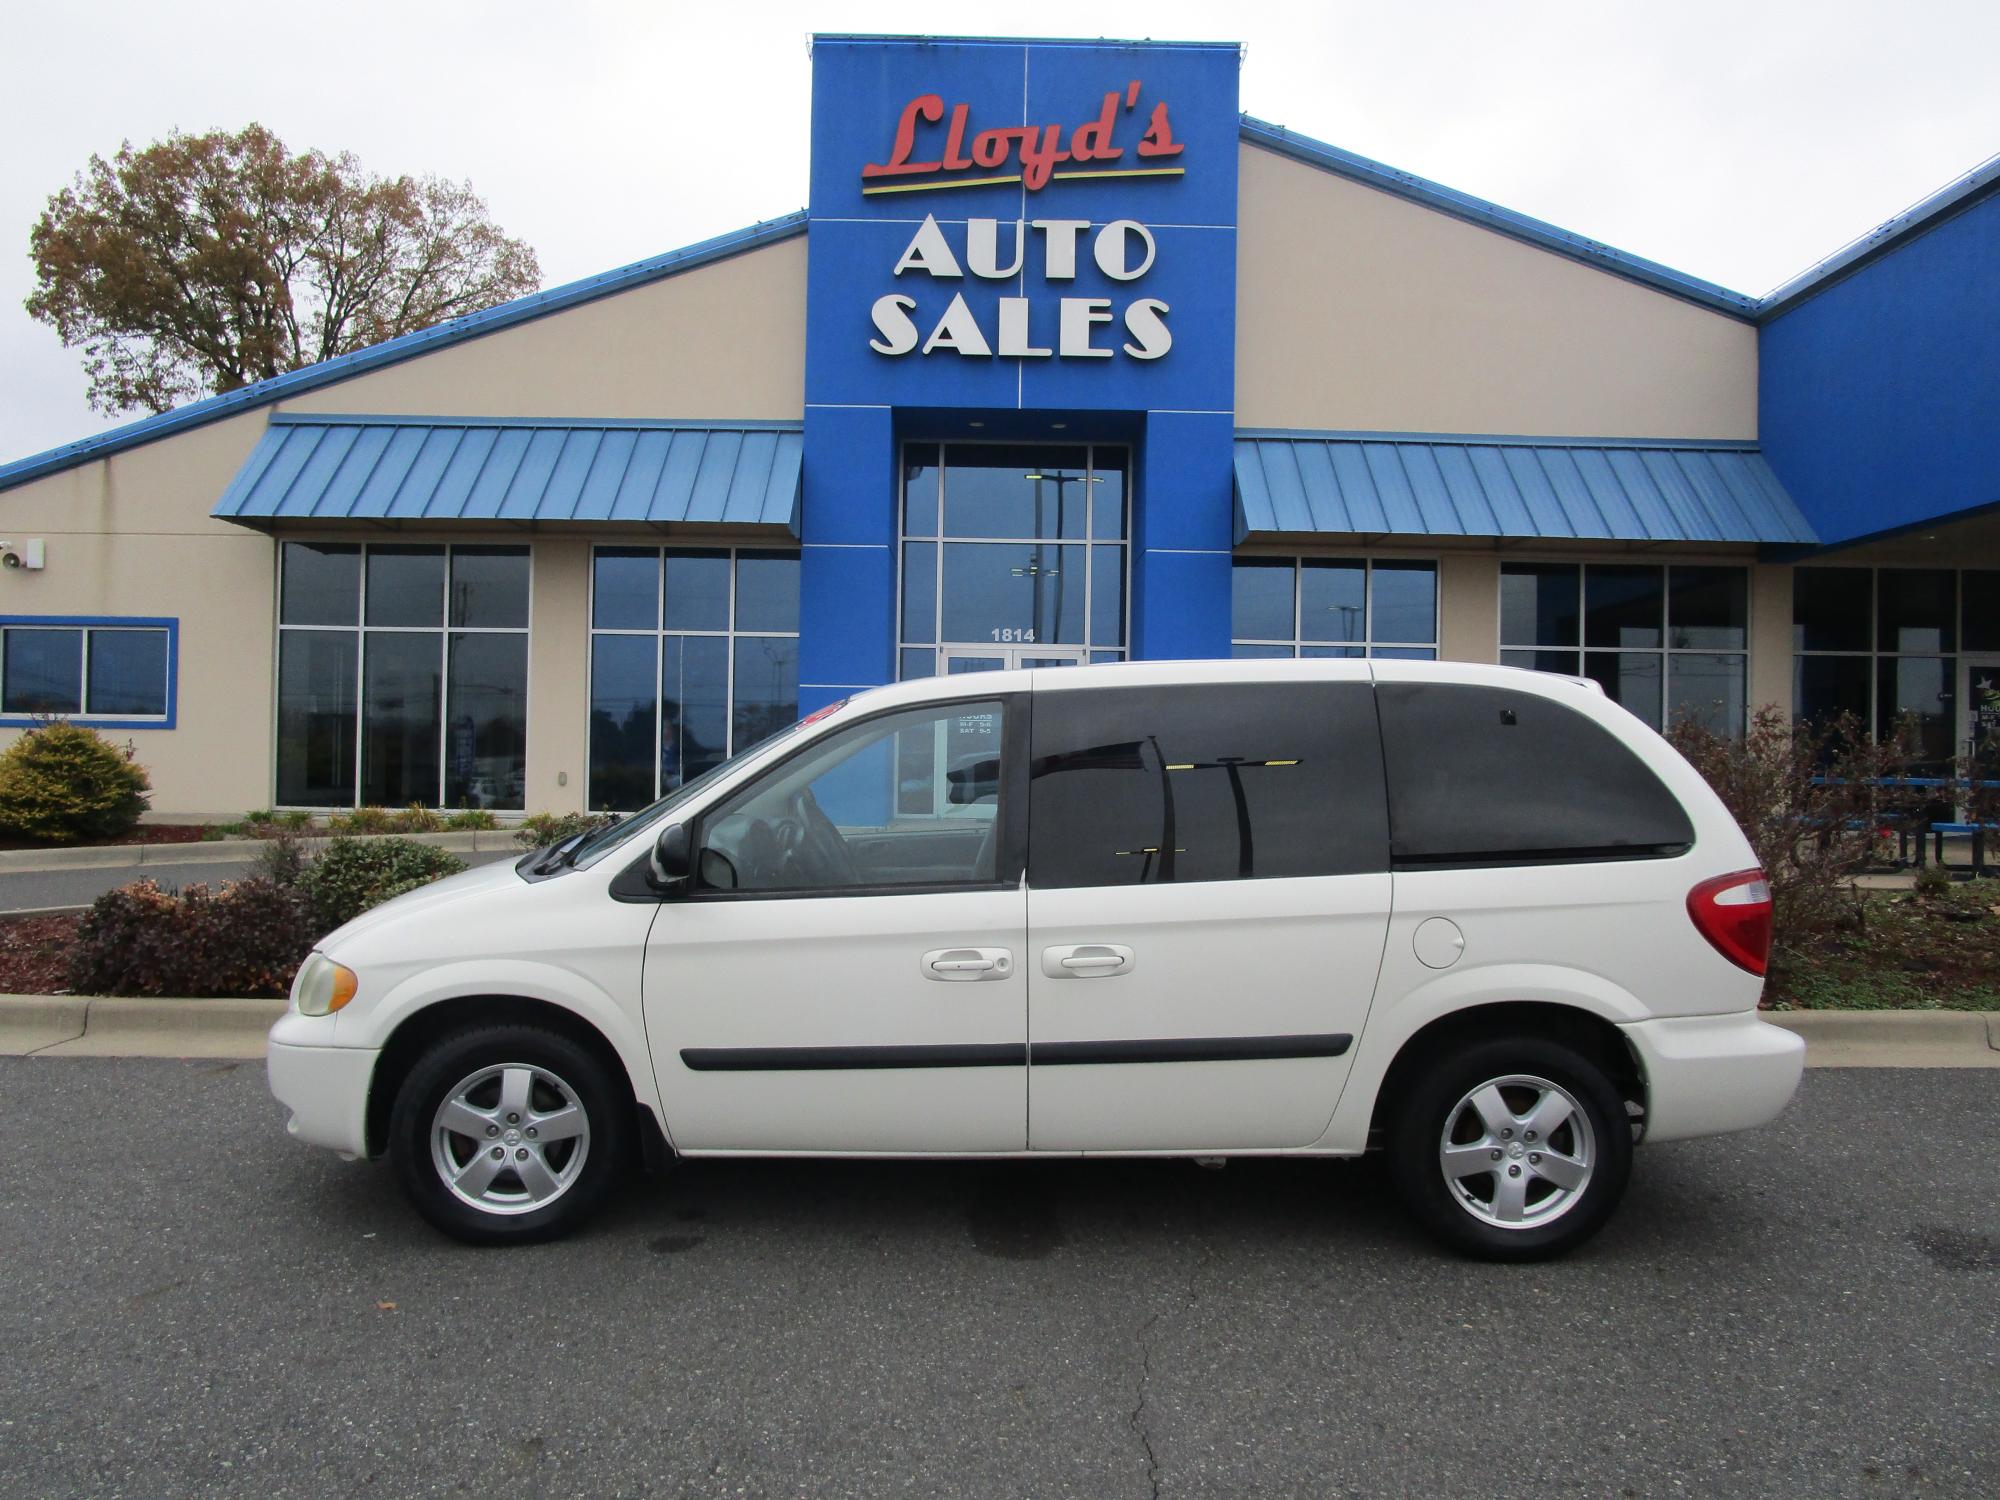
(594, 846)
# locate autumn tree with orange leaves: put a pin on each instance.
(207, 262)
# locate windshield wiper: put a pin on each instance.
(563, 854)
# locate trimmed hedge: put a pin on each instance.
(246, 938)
(64, 783)
(350, 875)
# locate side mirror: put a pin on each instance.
(672, 858)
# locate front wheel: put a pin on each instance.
(507, 1134)
(1511, 1148)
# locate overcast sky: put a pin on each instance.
(1737, 141)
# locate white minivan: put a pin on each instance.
(1482, 919)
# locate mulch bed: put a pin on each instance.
(145, 833)
(1904, 952)
(34, 954)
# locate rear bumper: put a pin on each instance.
(1708, 1075)
(325, 1088)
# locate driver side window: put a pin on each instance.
(909, 799)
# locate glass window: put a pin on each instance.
(625, 589)
(910, 799)
(1919, 688)
(1831, 609)
(1539, 605)
(1136, 786)
(920, 592)
(317, 723)
(694, 707)
(406, 586)
(1346, 607)
(920, 489)
(441, 717)
(43, 671)
(1405, 602)
(1107, 596)
(1981, 594)
(696, 595)
(1916, 609)
(128, 673)
(322, 584)
(993, 490)
(767, 591)
(1709, 689)
(668, 704)
(1622, 606)
(489, 587)
(1333, 600)
(1824, 687)
(1260, 603)
(766, 686)
(486, 738)
(1482, 775)
(1107, 494)
(623, 721)
(401, 694)
(1630, 678)
(1709, 608)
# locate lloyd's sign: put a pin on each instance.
(933, 316)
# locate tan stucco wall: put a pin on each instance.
(559, 676)
(1357, 309)
(725, 341)
(131, 535)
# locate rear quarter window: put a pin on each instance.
(1485, 776)
(1147, 785)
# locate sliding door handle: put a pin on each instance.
(1087, 961)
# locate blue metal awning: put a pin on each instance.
(313, 468)
(1433, 485)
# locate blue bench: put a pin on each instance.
(1978, 832)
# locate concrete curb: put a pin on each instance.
(108, 1026)
(86, 1026)
(222, 851)
(1895, 1039)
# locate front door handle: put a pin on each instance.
(958, 965)
(1087, 961)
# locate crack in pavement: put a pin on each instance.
(1138, 1419)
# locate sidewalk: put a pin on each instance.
(81, 1026)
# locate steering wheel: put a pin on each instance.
(814, 844)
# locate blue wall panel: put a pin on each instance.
(859, 399)
(1879, 397)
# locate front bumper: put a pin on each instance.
(1708, 1075)
(325, 1087)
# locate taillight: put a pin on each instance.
(1734, 913)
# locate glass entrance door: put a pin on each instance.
(958, 659)
(1013, 555)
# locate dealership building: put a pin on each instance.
(1066, 361)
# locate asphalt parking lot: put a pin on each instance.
(193, 1304)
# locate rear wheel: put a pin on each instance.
(507, 1134)
(1511, 1148)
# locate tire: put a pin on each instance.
(510, 1090)
(1465, 1162)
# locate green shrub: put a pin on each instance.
(362, 820)
(351, 875)
(471, 818)
(540, 830)
(246, 938)
(65, 784)
(282, 860)
(416, 818)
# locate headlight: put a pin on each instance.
(323, 986)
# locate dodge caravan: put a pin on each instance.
(1482, 920)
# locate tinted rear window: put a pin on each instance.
(1134, 786)
(1481, 775)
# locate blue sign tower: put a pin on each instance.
(1017, 242)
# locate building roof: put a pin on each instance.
(453, 331)
(318, 468)
(1430, 484)
(1926, 214)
